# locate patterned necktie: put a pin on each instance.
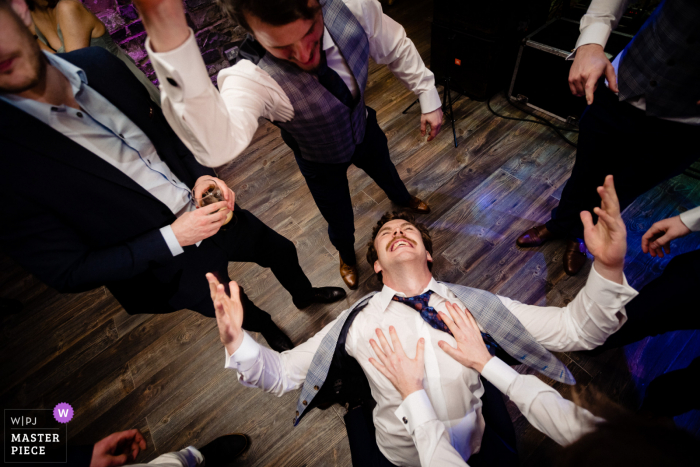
(330, 80)
(430, 315)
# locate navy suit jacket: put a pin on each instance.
(77, 222)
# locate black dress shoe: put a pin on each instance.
(276, 338)
(223, 450)
(322, 295)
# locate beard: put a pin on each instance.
(31, 70)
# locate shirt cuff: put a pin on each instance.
(691, 219)
(429, 100)
(199, 458)
(415, 410)
(181, 71)
(595, 33)
(243, 358)
(171, 240)
(606, 293)
(500, 374)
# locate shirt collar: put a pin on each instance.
(75, 76)
(327, 39)
(387, 294)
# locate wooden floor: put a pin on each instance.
(164, 374)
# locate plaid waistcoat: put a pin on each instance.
(324, 128)
(662, 62)
(494, 317)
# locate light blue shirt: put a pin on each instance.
(105, 131)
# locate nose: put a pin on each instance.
(303, 52)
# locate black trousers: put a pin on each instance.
(498, 446)
(619, 139)
(668, 303)
(328, 184)
(247, 239)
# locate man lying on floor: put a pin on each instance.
(334, 365)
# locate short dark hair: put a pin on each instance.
(391, 216)
(274, 12)
(31, 4)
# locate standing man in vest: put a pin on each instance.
(642, 126)
(332, 365)
(309, 78)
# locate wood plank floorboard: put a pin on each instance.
(164, 373)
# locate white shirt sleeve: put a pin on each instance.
(271, 371)
(691, 219)
(171, 240)
(389, 45)
(544, 407)
(597, 311)
(599, 21)
(188, 457)
(215, 125)
(429, 435)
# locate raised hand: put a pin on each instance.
(658, 238)
(404, 373)
(229, 313)
(117, 449)
(165, 23)
(607, 239)
(589, 65)
(471, 350)
(432, 119)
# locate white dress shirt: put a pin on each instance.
(188, 457)
(104, 130)
(691, 219)
(218, 125)
(596, 312)
(596, 25)
(544, 408)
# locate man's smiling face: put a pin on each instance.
(399, 241)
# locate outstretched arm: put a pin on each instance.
(658, 238)
(258, 366)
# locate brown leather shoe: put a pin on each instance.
(574, 256)
(534, 236)
(418, 205)
(349, 274)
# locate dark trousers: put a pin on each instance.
(247, 239)
(328, 184)
(619, 139)
(668, 303)
(498, 446)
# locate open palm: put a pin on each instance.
(606, 239)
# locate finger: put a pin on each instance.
(457, 315)
(653, 231)
(212, 208)
(420, 348)
(586, 220)
(450, 324)
(591, 85)
(612, 79)
(384, 343)
(572, 81)
(448, 349)
(224, 188)
(607, 219)
(610, 189)
(116, 461)
(383, 370)
(232, 200)
(378, 352)
(422, 126)
(398, 348)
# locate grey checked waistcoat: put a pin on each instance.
(487, 309)
(662, 62)
(325, 129)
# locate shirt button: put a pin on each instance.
(297, 413)
(405, 420)
(79, 114)
(54, 109)
(652, 83)
(304, 402)
(172, 82)
(315, 388)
